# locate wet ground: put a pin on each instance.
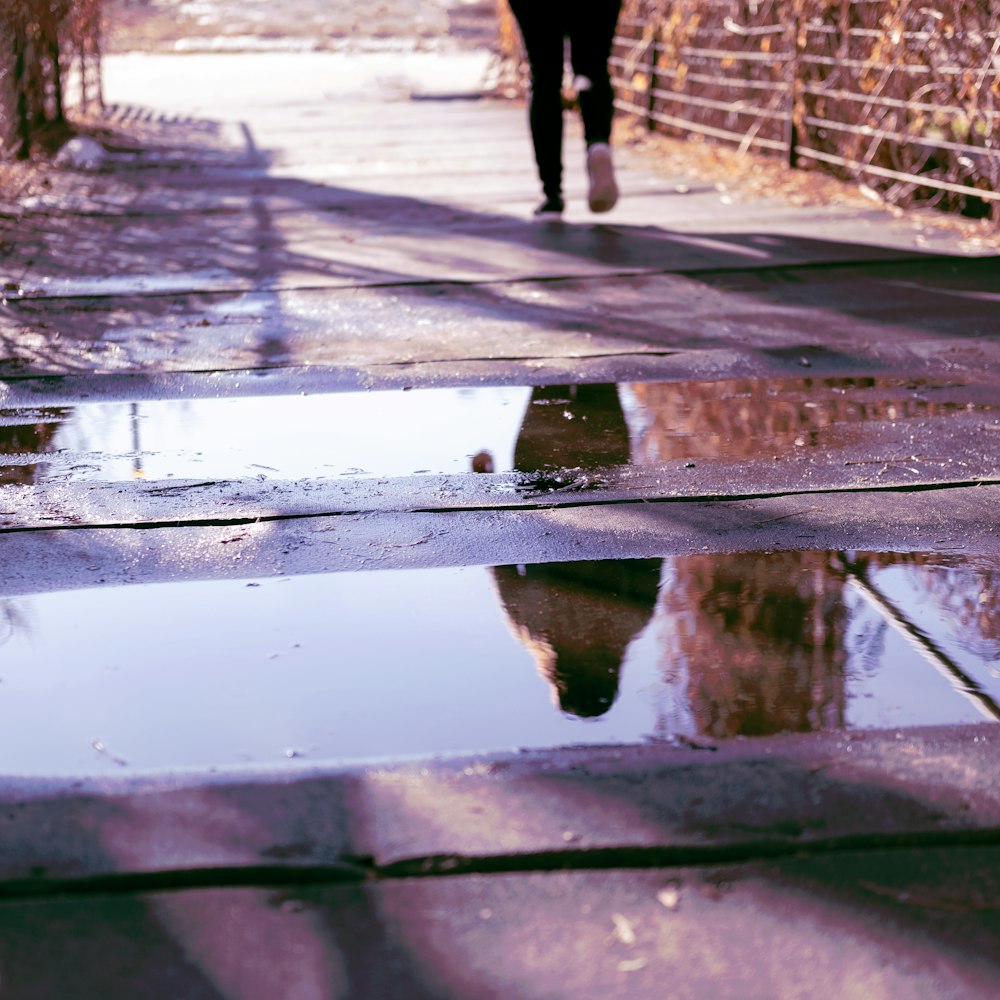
(605, 651)
(473, 608)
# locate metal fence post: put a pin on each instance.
(794, 91)
(651, 96)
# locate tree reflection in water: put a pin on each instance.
(761, 641)
(965, 590)
(750, 644)
(24, 436)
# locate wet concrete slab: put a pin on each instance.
(581, 807)
(918, 924)
(946, 521)
(841, 319)
(900, 461)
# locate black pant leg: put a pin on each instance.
(591, 34)
(542, 29)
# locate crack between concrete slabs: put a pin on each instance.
(354, 869)
(589, 276)
(223, 522)
(372, 366)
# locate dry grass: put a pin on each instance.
(871, 88)
(760, 176)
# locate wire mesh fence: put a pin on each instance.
(50, 58)
(901, 95)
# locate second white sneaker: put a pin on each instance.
(601, 170)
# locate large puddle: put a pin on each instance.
(442, 431)
(360, 666)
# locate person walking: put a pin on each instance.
(590, 27)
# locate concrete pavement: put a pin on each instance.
(807, 383)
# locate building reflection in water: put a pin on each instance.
(753, 418)
(757, 641)
(577, 619)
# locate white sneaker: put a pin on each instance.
(603, 190)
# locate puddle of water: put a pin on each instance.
(746, 418)
(30, 433)
(156, 282)
(800, 641)
(226, 673)
(442, 431)
(288, 437)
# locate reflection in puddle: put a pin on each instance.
(442, 431)
(571, 426)
(228, 672)
(286, 437)
(801, 641)
(759, 642)
(745, 418)
(28, 432)
(577, 620)
(484, 658)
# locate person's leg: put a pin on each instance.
(591, 36)
(542, 30)
(591, 32)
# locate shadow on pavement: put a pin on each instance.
(190, 246)
(883, 873)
